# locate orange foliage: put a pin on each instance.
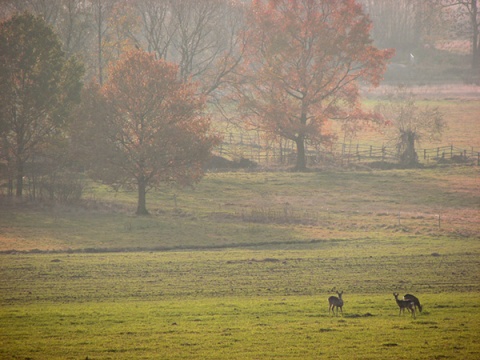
(153, 124)
(303, 62)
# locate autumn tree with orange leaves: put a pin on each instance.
(304, 61)
(146, 126)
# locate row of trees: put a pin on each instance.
(288, 67)
(196, 34)
(200, 36)
(408, 25)
(144, 125)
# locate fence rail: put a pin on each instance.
(253, 147)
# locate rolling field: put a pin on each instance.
(241, 267)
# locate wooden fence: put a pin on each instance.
(255, 148)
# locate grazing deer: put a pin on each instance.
(405, 304)
(414, 299)
(335, 302)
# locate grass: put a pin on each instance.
(235, 304)
(231, 210)
(247, 328)
(241, 267)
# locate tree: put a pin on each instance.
(101, 9)
(303, 62)
(403, 24)
(147, 126)
(471, 27)
(198, 35)
(38, 87)
(410, 123)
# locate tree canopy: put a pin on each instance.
(146, 126)
(303, 62)
(38, 86)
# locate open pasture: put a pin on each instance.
(267, 209)
(247, 263)
(241, 304)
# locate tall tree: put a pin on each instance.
(73, 21)
(402, 24)
(38, 85)
(157, 26)
(102, 11)
(147, 126)
(74, 26)
(198, 35)
(469, 10)
(304, 59)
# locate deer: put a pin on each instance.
(335, 302)
(405, 304)
(414, 299)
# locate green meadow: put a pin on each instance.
(241, 266)
(239, 304)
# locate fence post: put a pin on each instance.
(424, 154)
(451, 151)
(371, 148)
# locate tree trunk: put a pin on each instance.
(10, 186)
(475, 39)
(142, 202)
(19, 185)
(100, 40)
(409, 156)
(301, 163)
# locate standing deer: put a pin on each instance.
(405, 304)
(414, 299)
(335, 302)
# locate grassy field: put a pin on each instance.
(241, 267)
(237, 304)
(276, 209)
